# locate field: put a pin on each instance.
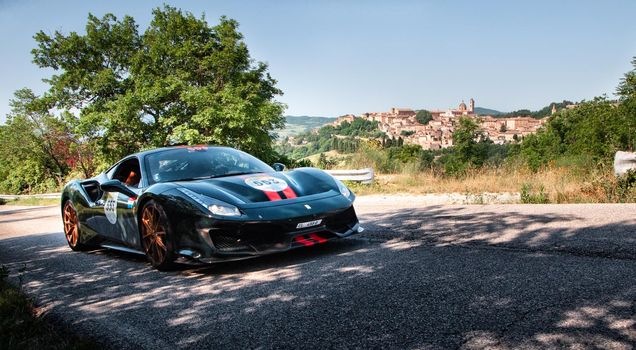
(555, 185)
(295, 125)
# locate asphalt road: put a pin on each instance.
(419, 277)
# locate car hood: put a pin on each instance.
(246, 190)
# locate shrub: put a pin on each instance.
(528, 196)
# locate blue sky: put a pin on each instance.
(337, 57)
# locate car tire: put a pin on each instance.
(72, 230)
(156, 236)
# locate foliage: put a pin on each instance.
(423, 116)
(179, 81)
(36, 148)
(324, 162)
(541, 113)
(470, 148)
(528, 196)
(591, 132)
(295, 125)
(358, 127)
(595, 129)
(116, 91)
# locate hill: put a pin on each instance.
(487, 111)
(295, 125)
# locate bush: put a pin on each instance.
(530, 197)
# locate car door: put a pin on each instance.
(119, 209)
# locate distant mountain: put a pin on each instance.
(487, 111)
(295, 125)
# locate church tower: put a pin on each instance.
(554, 109)
(471, 106)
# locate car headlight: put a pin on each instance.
(224, 210)
(343, 189)
(215, 206)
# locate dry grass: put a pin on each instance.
(558, 185)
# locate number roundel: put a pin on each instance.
(266, 183)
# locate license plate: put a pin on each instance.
(309, 224)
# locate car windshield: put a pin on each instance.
(201, 162)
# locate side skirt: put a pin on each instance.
(121, 248)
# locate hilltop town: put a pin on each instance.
(438, 132)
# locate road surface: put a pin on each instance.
(419, 277)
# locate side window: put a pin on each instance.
(128, 172)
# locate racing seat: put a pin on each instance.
(133, 179)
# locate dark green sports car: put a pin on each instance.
(205, 204)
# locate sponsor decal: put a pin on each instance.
(266, 183)
(310, 239)
(110, 208)
(304, 241)
(317, 238)
(130, 203)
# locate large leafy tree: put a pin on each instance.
(35, 146)
(180, 81)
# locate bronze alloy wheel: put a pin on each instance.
(154, 235)
(71, 225)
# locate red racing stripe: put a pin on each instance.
(317, 238)
(289, 193)
(302, 240)
(273, 196)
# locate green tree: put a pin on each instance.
(35, 147)
(180, 81)
(423, 117)
(465, 141)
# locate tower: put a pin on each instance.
(554, 109)
(471, 106)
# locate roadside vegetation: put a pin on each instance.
(22, 328)
(116, 90)
(568, 160)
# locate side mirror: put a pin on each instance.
(117, 186)
(279, 166)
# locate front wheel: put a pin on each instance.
(71, 227)
(156, 236)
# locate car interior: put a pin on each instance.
(128, 173)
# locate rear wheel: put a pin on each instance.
(71, 227)
(156, 236)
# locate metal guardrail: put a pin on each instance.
(364, 176)
(25, 196)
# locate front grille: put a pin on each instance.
(226, 243)
(268, 236)
(343, 221)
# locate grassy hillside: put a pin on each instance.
(487, 111)
(295, 125)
